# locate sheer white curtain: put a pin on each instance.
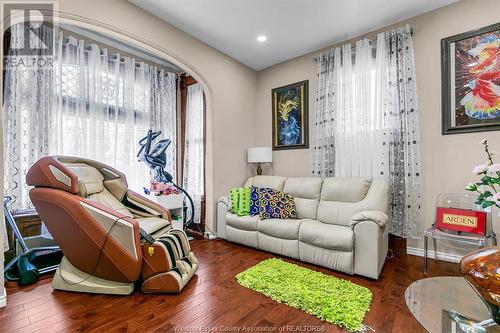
(350, 120)
(28, 98)
(367, 121)
(194, 161)
(106, 103)
(95, 105)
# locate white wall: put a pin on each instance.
(446, 160)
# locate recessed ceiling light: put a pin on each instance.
(262, 38)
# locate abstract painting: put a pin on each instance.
(471, 81)
(290, 112)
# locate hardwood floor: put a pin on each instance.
(211, 302)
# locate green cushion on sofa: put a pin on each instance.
(234, 196)
(244, 201)
(239, 198)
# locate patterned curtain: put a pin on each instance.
(28, 98)
(402, 132)
(367, 120)
(91, 104)
(323, 157)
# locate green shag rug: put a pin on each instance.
(329, 298)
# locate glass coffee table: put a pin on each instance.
(430, 301)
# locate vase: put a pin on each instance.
(481, 269)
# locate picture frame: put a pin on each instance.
(290, 112)
(470, 74)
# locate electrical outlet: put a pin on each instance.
(210, 235)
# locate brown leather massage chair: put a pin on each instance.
(110, 236)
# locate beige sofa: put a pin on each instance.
(342, 223)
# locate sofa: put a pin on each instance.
(341, 224)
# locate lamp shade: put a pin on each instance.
(260, 155)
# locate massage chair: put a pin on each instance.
(111, 237)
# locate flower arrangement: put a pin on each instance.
(489, 185)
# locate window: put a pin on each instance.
(96, 106)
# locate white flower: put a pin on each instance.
(481, 189)
(496, 198)
(480, 169)
(492, 152)
(483, 141)
(494, 168)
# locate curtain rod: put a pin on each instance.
(114, 56)
(373, 43)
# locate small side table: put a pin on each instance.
(459, 237)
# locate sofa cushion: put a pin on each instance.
(274, 182)
(345, 189)
(327, 236)
(276, 204)
(306, 192)
(234, 199)
(280, 228)
(341, 198)
(242, 222)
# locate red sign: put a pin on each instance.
(461, 220)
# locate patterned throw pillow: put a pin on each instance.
(274, 204)
(254, 201)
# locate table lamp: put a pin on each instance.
(260, 155)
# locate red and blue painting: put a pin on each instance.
(471, 81)
(290, 116)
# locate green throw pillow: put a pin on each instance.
(234, 197)
(244, 201)
(239, 198)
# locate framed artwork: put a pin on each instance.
(290, 116)
(471, 81)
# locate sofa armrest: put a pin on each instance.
(376, 216)
(370, 242)
(222, 209)
(223, 200)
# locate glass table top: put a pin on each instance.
(429, 300)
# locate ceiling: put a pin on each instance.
(292, 27)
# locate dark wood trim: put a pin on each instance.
(446, 84)
(397, 244)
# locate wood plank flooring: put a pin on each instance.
(211, 302)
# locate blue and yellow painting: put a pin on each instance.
(290, 116)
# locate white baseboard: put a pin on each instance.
(440, 255)
(3, 299)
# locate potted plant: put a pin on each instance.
(481, 268)
(488, 187)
